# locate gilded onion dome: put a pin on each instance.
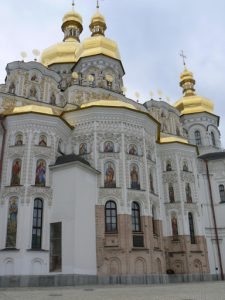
(98, 43)
(190, 102)
(64, 52)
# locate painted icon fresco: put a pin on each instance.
(171, 193)
(188, 193)
(133, 150)
(83, 149)
(134, 177)
(174, 227)
(43, 140)
(108, 147)
(110, 176)
(40, 178)
(16, 172)
(19, 140)
(12, 223)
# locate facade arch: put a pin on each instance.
(158, 266)
(197, 264)
(19, 139)
(140, 266)
(37, 266)
(115, 266)
(9, 266)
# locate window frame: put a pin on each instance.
(109, 226)
(222, 193)
(34, 241)
(136, 217)
(198, 138)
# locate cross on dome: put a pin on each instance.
(184, 57)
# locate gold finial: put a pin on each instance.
(183, 57)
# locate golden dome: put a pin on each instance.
(194, 104)
(64, 52)
(72, 16)
(191, 103)
(98, 45)
(98, 18)
(109, 103)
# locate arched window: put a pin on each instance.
(133, 150)
(37, 224)
(213, 138)
(108, 147)
(134, 177)
(222, 193)
(154, 224)
(12, 88)
(12, 223)
(188, 193)
(40, 175)
(168, 166)
(52, 99)
(171, 193)
(110, 217)
(16, 172)
(19, 139)
(174, 227)
(192, 229)
(185, 167)
(110, 176)
(33, 92)
(136, 217)
(151, 183)
(42, 140)
(198, 139)
(83, 149)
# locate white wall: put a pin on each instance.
(74, 199)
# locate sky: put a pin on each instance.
(150, 35)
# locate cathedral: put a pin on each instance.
(95, 183)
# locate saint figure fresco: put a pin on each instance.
(171, 193)
(52, 99)
(12, 88)
(109, 147)
(168, 166)
(12, 223)
(40, 177)
(43, 140)
(133, 150)
(135, 184)
(16, 169)
(188, 193)
(174, 227)
(19, 140)
(83, 149)
(33, 92)
(185, 167)
(110, 180)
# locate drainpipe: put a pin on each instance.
(3, 145)
(214, 221)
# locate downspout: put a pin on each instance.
(214, 221)
(3, 146)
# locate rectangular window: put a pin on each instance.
(56, 247)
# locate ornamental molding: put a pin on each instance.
(11, 191)
(170, 177)
(110, 194)
(45, 193)
(187, 177)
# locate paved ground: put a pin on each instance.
(196, 291)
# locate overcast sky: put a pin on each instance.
(150, 35)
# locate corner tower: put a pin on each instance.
(197, 116)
